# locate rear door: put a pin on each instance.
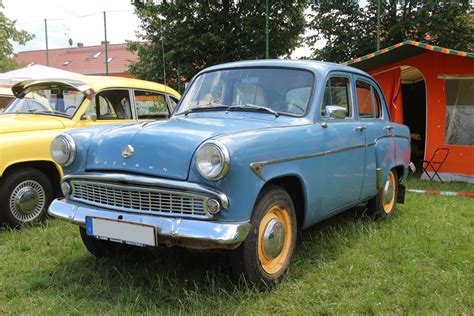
(378, 131)
(151, 105)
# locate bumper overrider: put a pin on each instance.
(171, 229)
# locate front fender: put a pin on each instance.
(26, 147)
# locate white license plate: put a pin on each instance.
(119, 231)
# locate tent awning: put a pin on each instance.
(36, 72)
(397, 53)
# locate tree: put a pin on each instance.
(349, 27)
(197, 34)
(8, 34)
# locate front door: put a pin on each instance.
(344, 146)
(108, 106)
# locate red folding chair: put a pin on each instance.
(435, 163)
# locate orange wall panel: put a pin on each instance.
(433, 64)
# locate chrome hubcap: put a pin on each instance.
(27, 200)
(388, 191)
(273, 238)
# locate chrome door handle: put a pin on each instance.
(388, 128)
(360, 128)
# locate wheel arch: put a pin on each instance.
(49, 168)
(294, 185)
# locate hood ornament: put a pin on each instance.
(127, 151)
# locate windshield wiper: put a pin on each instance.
(253, 107)
(213, 107)
(35, 111)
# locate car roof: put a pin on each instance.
(98, 83)
(317, 66)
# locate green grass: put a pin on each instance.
(419, 262)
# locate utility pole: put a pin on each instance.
(378, 24)
(163, 52)
(46, 37)
(179, 77)
(105, 43)
(266, 29)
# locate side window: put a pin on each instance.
(368, 100)
(336, 97)
(111, 105)
(150, 105)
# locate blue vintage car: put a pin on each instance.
(255, 151)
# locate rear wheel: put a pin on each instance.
(383, 205)
(266, 253)
(25, 195)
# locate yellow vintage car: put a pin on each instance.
(42, 109)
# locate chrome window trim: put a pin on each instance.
(152, 181)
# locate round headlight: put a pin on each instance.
(212, 160)
(63, 150)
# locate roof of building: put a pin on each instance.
(88, 60)
(399, 52)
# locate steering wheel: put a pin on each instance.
(294, 105)
(71, 107)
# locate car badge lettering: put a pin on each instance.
(127, 151)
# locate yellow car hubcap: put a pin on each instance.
(388, 193)
(274, 239)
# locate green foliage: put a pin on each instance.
(8, 34)
(350, 27)
(202, 33)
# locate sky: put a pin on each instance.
(82, 21)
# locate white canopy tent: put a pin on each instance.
(35, 72)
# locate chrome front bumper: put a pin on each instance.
(189, 233)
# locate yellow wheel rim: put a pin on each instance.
(388, 193)
(280, 214)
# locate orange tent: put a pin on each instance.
(430, 89)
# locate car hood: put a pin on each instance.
(162, 149)
(13, 123)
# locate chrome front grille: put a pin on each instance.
(139, 199)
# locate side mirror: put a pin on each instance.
(90, 117)
(334, 111)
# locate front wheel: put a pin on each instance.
(383, 205)
(25, 195)
(266, 253)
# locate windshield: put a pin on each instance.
(281, 90)
(55, 100)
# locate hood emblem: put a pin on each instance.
(127, 151)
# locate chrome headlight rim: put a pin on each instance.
(72, 149)
(223, 153)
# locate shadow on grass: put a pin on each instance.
(182, 278)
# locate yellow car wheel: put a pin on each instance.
(266, 253)
(383, 205)
(25, 195)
